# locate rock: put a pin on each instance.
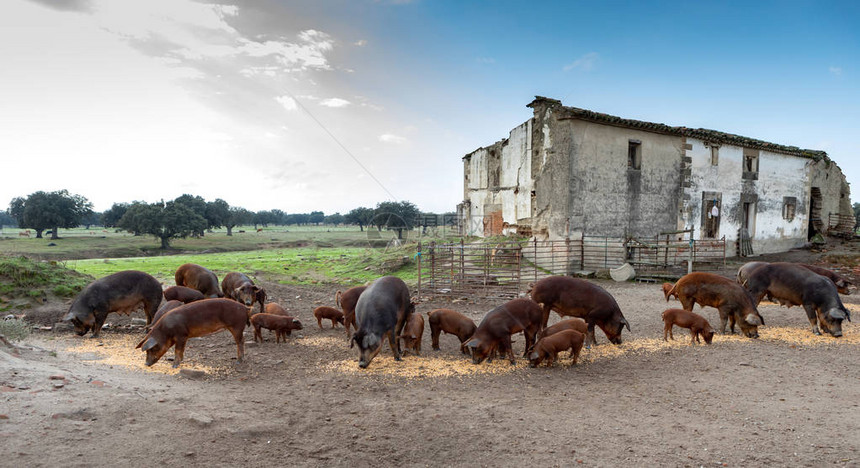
(4, 416)
(138, 322)
(59, 384)
(192, 374)
(57, 377)
(250, 344)
(200, 419)
(61, 327)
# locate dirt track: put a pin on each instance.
(786, 399)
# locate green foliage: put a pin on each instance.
(398, 216)
(43, 210)
(164, 221)
(111, 217)
(361, 216)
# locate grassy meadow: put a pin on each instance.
(290, 255)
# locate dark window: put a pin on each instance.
(750, 164)
(715, 155)
(634, 154)
(789, 208)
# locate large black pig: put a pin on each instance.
(793, 284)
(120, 292)
(382, 310)
(578, 298)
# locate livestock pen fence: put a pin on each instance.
(505, 269)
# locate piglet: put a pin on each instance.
(686, 319)
(282, 325)
(547, 348)
(452, 322)
(328, 313)
(412, 333)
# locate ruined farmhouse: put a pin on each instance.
(569, 172)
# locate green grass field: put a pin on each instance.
(309, 255)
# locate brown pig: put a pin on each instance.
(328, 313)
(240, 288)
(198, 277)
(667, 289)
(198, 318)
(580, 298)
(412, 333)
(165, 308)
(728, 297)
(280, 324)
(697, 324)
(275, 308)
(495, 330)
(547, 348)
(347, 302)
(183, 294)
(452, 322)
(575, 323)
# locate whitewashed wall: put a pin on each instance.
(779, 176)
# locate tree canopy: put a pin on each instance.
(50, 210)
(164, 221)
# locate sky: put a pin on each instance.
(306, 105)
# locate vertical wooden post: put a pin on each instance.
(690, 259)
(419, 268)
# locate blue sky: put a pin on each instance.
(281, 104)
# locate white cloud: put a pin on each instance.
(288, 102)
(585, 63)
(392, 139)
(836, 70)
(360, 43)
(334, 102)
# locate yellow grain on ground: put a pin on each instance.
(119, 350)
(420, 367)
(323, 341)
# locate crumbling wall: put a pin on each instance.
(835, 191)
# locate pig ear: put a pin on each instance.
(533, 355)
(626, 324)
(68, 317)
(142, 341)
(473, 343)
(753, 319)
(836, 314)
(352, 341)
(150, 343)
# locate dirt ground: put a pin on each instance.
(787, 399)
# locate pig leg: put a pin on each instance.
(550, 360)
(319, 323)
(687, 303)
(239, 338)
(99, 322)
(589, 336)
(694, 336)
(547, 308)
(509, 348)
(257, 333)
(813, 318)
(333, 323)
(179, 351)
(394, 343)
(435, 331)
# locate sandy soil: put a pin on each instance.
(788, 398)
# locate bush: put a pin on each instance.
(14, 330)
